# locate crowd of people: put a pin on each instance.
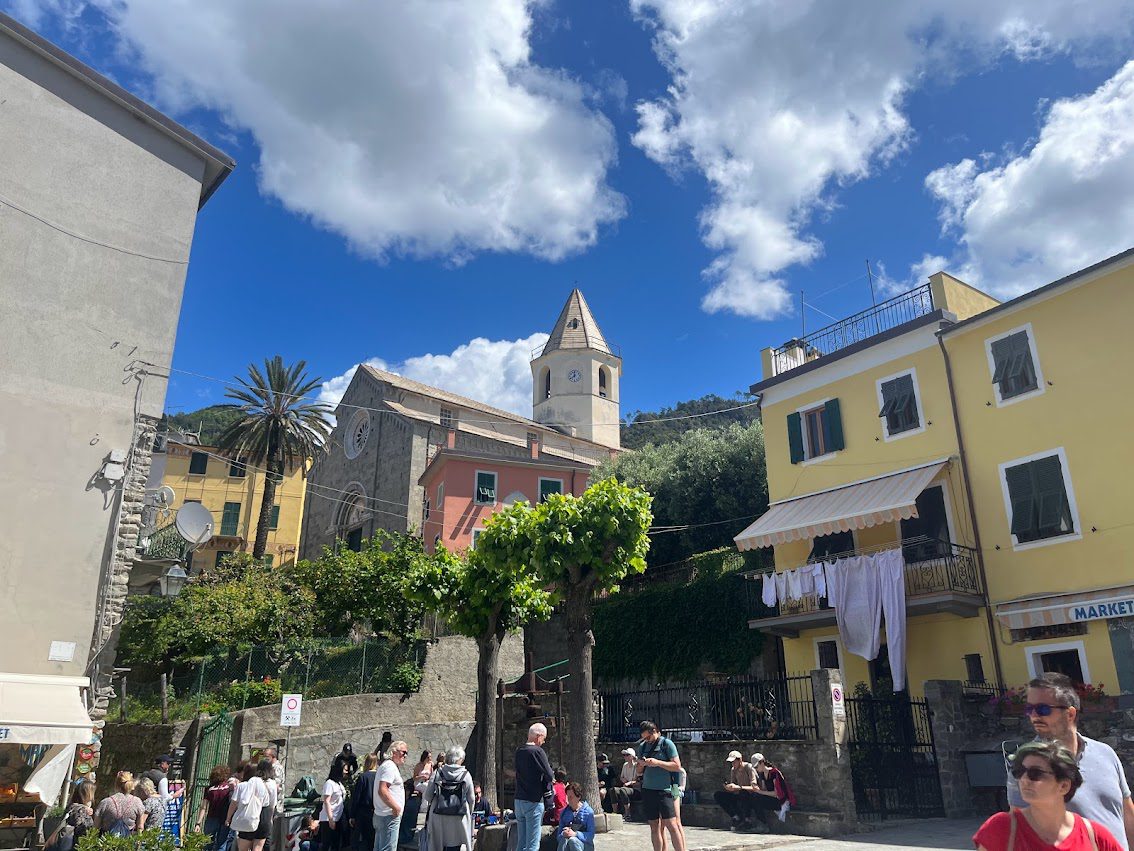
(150, 801)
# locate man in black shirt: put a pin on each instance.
(533, 783)
(607, 780)
(347, 761)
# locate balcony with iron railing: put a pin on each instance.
(863, 325)
(165, 544)
(941, 576)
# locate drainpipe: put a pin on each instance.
(989, 618)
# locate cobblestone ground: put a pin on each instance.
(925, 833)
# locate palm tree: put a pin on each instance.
(277, 428)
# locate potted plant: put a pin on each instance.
(1094, 698)
(1011, 702)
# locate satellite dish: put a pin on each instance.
(165, 496)
(194, 523)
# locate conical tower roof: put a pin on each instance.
(576, 328)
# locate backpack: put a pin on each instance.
(118, 827)
(450, 800)
(247, 816)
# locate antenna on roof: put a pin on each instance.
(802, 316)
(870, 278)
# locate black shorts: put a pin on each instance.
(658, 804)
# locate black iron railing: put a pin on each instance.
(932, 567)
(740, 707)
(165, 544)
(854, 329)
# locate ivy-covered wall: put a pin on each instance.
(672, 632)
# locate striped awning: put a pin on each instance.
(860, 505)
(1100, 604)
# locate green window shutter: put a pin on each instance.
(274, 522)
(795, 437)
(1021, 495)
(485, 488)
(1001, 355)
(833, 426)
(889, 398)
(198, 464)
(548, 487)
(1053, 508)
(230, 519)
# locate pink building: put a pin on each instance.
(463, 487)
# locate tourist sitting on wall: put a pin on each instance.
(1048, 775)
(774, 792)
(559, 798)
(482, 808)
(576, 830)
(607, 780)
(738, 797)
(627, 787)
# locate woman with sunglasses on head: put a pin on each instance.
(1048, 776)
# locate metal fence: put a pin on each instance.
(255, 677)
(854, 329)
(740, 707)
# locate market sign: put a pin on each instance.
(1101, 609)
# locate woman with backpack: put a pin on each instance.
(448, 802)
(121, 813)
(246, 809)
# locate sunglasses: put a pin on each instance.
(1032, 772)
(401, 753)
(1042, 709)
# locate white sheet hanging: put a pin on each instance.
(781, 587)
(853, 589)
(807, 580)
(794, 590)
(768, 592)
(892, 582)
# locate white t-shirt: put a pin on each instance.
(335, 794)
(249, 788)
(388, 773)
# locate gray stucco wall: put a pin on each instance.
(90, 196)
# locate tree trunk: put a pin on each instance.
(485, 743)
(580, 727)
(271, 481)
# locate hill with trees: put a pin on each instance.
(212, 421)
(667, 424)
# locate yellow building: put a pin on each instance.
(981, 440)
(232, 493)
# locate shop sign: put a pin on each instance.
(1101, 609)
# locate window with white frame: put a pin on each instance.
(1039, 498)
(1014, 364)
(815, 431)
(476, 533)
(448, 418)
(426, 508)
(485, 488)
(900, 408)
(548, 487)
(440, 494)
(1066, 657)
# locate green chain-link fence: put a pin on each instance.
(251, 677)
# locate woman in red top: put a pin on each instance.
(1048, 776)
(216, 799)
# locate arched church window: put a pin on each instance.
(547, 383)
(602, 381)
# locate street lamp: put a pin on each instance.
(173, 581)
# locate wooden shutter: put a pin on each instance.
(274, 521)
(230, 520)
(832, 426)
(795, 437)
(1021, 494)
(1053, 509)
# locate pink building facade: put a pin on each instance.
(464, 488)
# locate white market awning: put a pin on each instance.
(43, 710)
(1052, 609)
(860, 505)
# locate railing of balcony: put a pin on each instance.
(854, 329)
(932, 567)
(165, 544)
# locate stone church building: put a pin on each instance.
(406, 456)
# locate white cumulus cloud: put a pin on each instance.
(1063, 204)
(495, 372)
(778, 103)
(419, 127)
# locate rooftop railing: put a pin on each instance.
(854, 329)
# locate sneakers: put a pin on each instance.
(784, 811)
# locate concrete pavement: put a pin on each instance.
(923, 833)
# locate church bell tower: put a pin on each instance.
(576, 377)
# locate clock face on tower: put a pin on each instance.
(574, 376)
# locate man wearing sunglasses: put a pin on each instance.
(1104, 797)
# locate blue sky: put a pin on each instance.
(414, 176)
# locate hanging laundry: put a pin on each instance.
(892, 582)
(819, 579)
(794, 591)
(768, 593)
(853, 589)
(781, 587)
(807, 581)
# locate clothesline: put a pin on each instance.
(874, 549)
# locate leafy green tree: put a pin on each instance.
(578, 546)
(483, 594)
(242, 601)
(704, 476)
(365, 591)
(277, 428)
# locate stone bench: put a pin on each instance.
(492, 837)
(799, 822)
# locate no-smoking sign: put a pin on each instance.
(290, 709)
